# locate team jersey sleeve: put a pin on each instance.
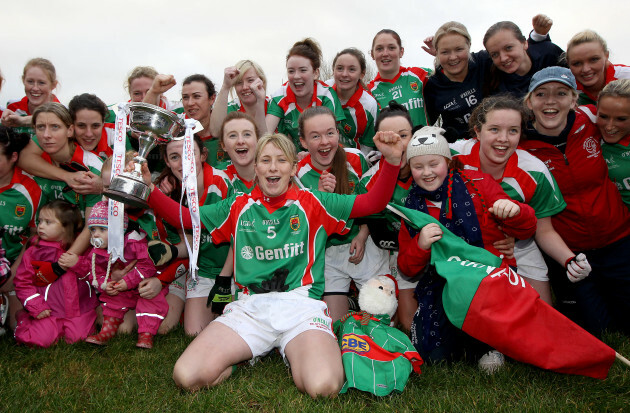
(274, 107)
(216, 219)
(547, 199)
(333, 103)
(337, 208)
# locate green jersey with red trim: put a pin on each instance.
(361, 112)
(309, 176)
(377, 358)
(81, 161)
(212, 256)
(238, 183)
(235, 105)
(217, 157)
(406, 89)
(617, 158)
(20, 200)
(273, 234)
(145, 220)
(284, 106)
(525, 178)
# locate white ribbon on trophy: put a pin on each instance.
(189, 182)
(116, 209)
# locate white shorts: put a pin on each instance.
(201, 286)
(178, 286)
(267, 321)
(338, 271)
(529, 260)
(403, 282)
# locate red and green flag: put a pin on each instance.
(487, 300)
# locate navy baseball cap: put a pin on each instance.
(552, 74)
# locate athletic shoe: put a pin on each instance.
(491, 362)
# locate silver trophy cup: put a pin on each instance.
(154, 126)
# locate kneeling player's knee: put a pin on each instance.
(325, 384)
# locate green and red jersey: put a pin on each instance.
(235, 105)
(238, 183)
(81, 160)
(525, 178)
(405, 88)
(617, 158)
(284, 105)
(309, 176)
(288, 232)
(361, 112)
(20, 202)
(376, 358)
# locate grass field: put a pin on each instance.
(120, 377)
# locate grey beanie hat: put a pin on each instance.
(429, 140)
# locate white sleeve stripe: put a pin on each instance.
(29, 298)
(149, 315)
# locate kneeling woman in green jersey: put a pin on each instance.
(278, 233)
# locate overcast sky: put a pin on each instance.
(94, 45)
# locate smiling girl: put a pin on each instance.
(40, 80)
(198, 96)
(278, 233)
(472, 206)
(595, 224)
(613, 120)
(302, 90)
(239, 135)
(88, 114)
(394, 82)
(498, 124)
(248, 81)
(330, 168)
(587, 57)
(359, 106)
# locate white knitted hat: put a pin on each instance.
(429, 140)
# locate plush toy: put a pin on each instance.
(379, 296)
(377, 358)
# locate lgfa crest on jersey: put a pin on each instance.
(20, 210)
(295, 222)
(414, 86)
(347, 128)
